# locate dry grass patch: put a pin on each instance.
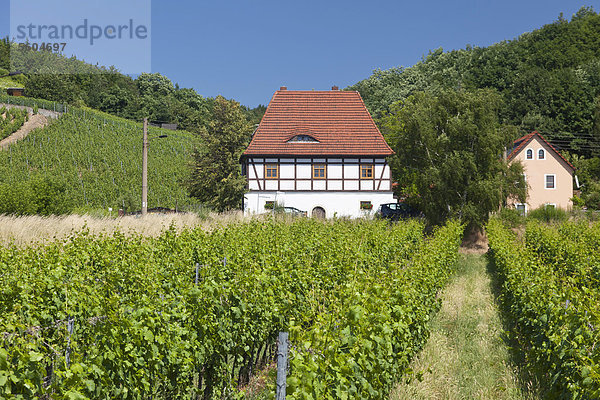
(23, 231)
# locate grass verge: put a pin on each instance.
(467, 356)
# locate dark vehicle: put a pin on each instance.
(396, 211)
(294, 211)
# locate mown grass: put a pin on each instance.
(467, 356)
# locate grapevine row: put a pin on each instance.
(100, 159)
(123, 317)
(11, 119)
(550, 292)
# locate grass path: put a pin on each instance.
(466, 356)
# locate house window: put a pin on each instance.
(366, 205)
(550, 181)
(541, 154)
(271, 171)
(366, 171)
(550, 205)
(521, 208)
(319, 171)
(303, 139)
(529, 154)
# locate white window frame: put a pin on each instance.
(521, 204)
(550, 204)
(538, 153)
(546, 181)
(532, 154)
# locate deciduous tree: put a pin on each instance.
(216, 177)
(449, 155)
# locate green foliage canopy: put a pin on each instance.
(216, 177)
(549, 80)
(449, 155)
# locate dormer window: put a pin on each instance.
(541, 154)
(303, 139)
(529, 154)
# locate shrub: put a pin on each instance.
(549, 214)
(40, 195)
(511, 217)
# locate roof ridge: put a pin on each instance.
(523, 141)
(339, 120)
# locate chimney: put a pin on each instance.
(283, 88)
(335, 88)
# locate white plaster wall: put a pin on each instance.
(340, 204)
(304, 171)
(318, 184)
(334, 171)
(286, 171)
(253, 185)
(259, 171)
(366, 184)
(303, 185)
(351, 171)
(287, 185)
(270, 184)
(334, 185)
(351, 185)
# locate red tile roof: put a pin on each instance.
(523, 141)
(339, 121)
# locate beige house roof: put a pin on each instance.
(522, 142)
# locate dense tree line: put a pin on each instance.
(547, 80)
(106, 89)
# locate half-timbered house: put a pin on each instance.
(320, 152)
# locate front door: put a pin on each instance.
(318, 212)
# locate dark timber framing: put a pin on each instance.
(310, 160)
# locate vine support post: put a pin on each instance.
(70, 328)
(282, 363)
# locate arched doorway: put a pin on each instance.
(318, 212)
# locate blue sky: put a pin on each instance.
(246, 49)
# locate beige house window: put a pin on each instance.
(271, 171)
(366, 171)
(541, 154)
(529, 154)
(319, 171)
(550, 181)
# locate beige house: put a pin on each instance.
(549, 176)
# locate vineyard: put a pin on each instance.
(196, 314)
(550, 291)
(99, 157)
(11, 119)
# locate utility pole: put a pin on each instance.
(145, 169)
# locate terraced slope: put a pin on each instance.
(100, 159)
